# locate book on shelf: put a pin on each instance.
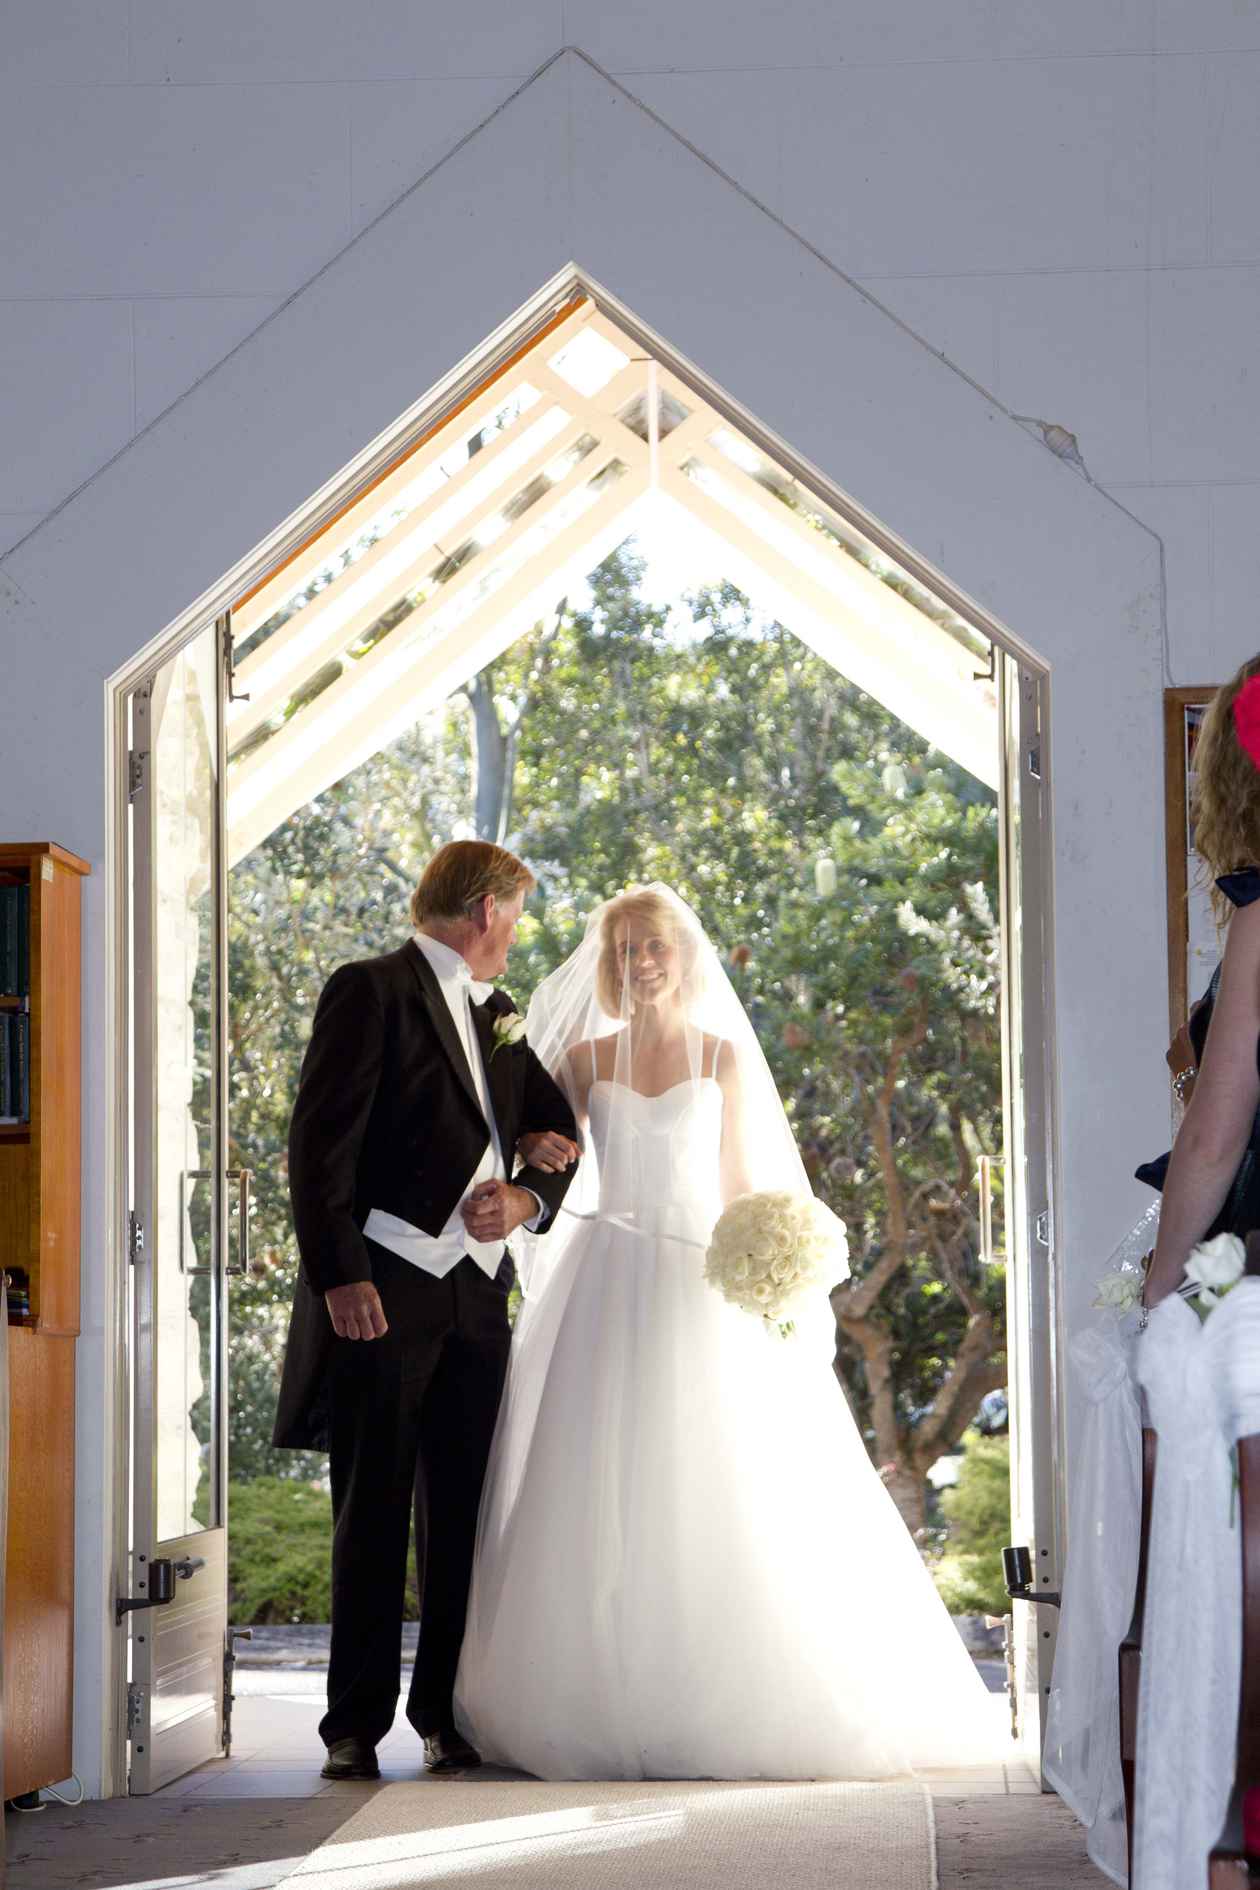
(22, 1020)
(15, 936)
(15, 1067)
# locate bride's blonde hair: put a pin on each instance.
(653, 909)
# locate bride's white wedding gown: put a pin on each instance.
(687, 1566)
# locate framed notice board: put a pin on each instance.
(1193, 941)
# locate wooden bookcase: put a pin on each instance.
(39, 1239)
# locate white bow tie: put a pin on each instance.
(477, 992)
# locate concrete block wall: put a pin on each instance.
(1063, 200)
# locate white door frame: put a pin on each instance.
(334, 497)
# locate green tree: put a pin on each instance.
(709, 748)
(279, 1569)
(978, 1509)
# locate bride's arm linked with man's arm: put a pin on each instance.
(341, 1076)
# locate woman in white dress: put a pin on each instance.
(687, 1566)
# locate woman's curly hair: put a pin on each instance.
(1226, 798)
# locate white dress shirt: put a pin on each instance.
(439, 1255)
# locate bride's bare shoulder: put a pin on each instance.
(588, 1061)
(719, 1059)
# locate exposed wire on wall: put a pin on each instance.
(1064, 445)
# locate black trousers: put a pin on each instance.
(411, 1420)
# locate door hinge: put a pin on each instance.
(229, 662)
(135, 1707)
(135, 771)
(1043, 1227)
(230, 1639)
(135, 1238)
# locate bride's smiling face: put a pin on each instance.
(649, 962)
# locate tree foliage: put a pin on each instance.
(279, 1570)
(711, 749)
(978, 1511)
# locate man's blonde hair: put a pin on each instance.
(461, 874)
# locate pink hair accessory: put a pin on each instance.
(1247, 717)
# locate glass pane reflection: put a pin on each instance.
(187, 1285)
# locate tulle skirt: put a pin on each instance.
(687, 1566)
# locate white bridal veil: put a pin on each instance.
(687, 1566)
(641, 1008)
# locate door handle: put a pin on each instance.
(189, 1174)
(984, 1182)
(243, 1177)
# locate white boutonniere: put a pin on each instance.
(508, 1029)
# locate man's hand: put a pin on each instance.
(356, 1311)
(495, 1209)
(547, 1149)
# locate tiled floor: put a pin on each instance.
(276, 1752)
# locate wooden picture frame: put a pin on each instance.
(1183, 717)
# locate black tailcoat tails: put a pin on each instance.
(387, 1117)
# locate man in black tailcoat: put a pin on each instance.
(416, 1093)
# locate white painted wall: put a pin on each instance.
(1061, 201)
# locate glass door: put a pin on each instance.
(1031, 1308)
(179, 1222)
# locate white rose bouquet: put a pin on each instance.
(769, 1248)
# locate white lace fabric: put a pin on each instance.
(1202, 1383)
(1082, 1747)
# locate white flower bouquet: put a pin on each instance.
(1120, 1289)
(769, 1248)
(1213, 1269)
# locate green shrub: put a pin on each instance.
(279, 1544)
(969, 1574)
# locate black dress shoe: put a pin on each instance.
(351, 1758)
(449, 1751)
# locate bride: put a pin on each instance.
(686, 1565)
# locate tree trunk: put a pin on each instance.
(909, 1492)
(492, 747)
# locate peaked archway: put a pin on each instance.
(483, 526)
